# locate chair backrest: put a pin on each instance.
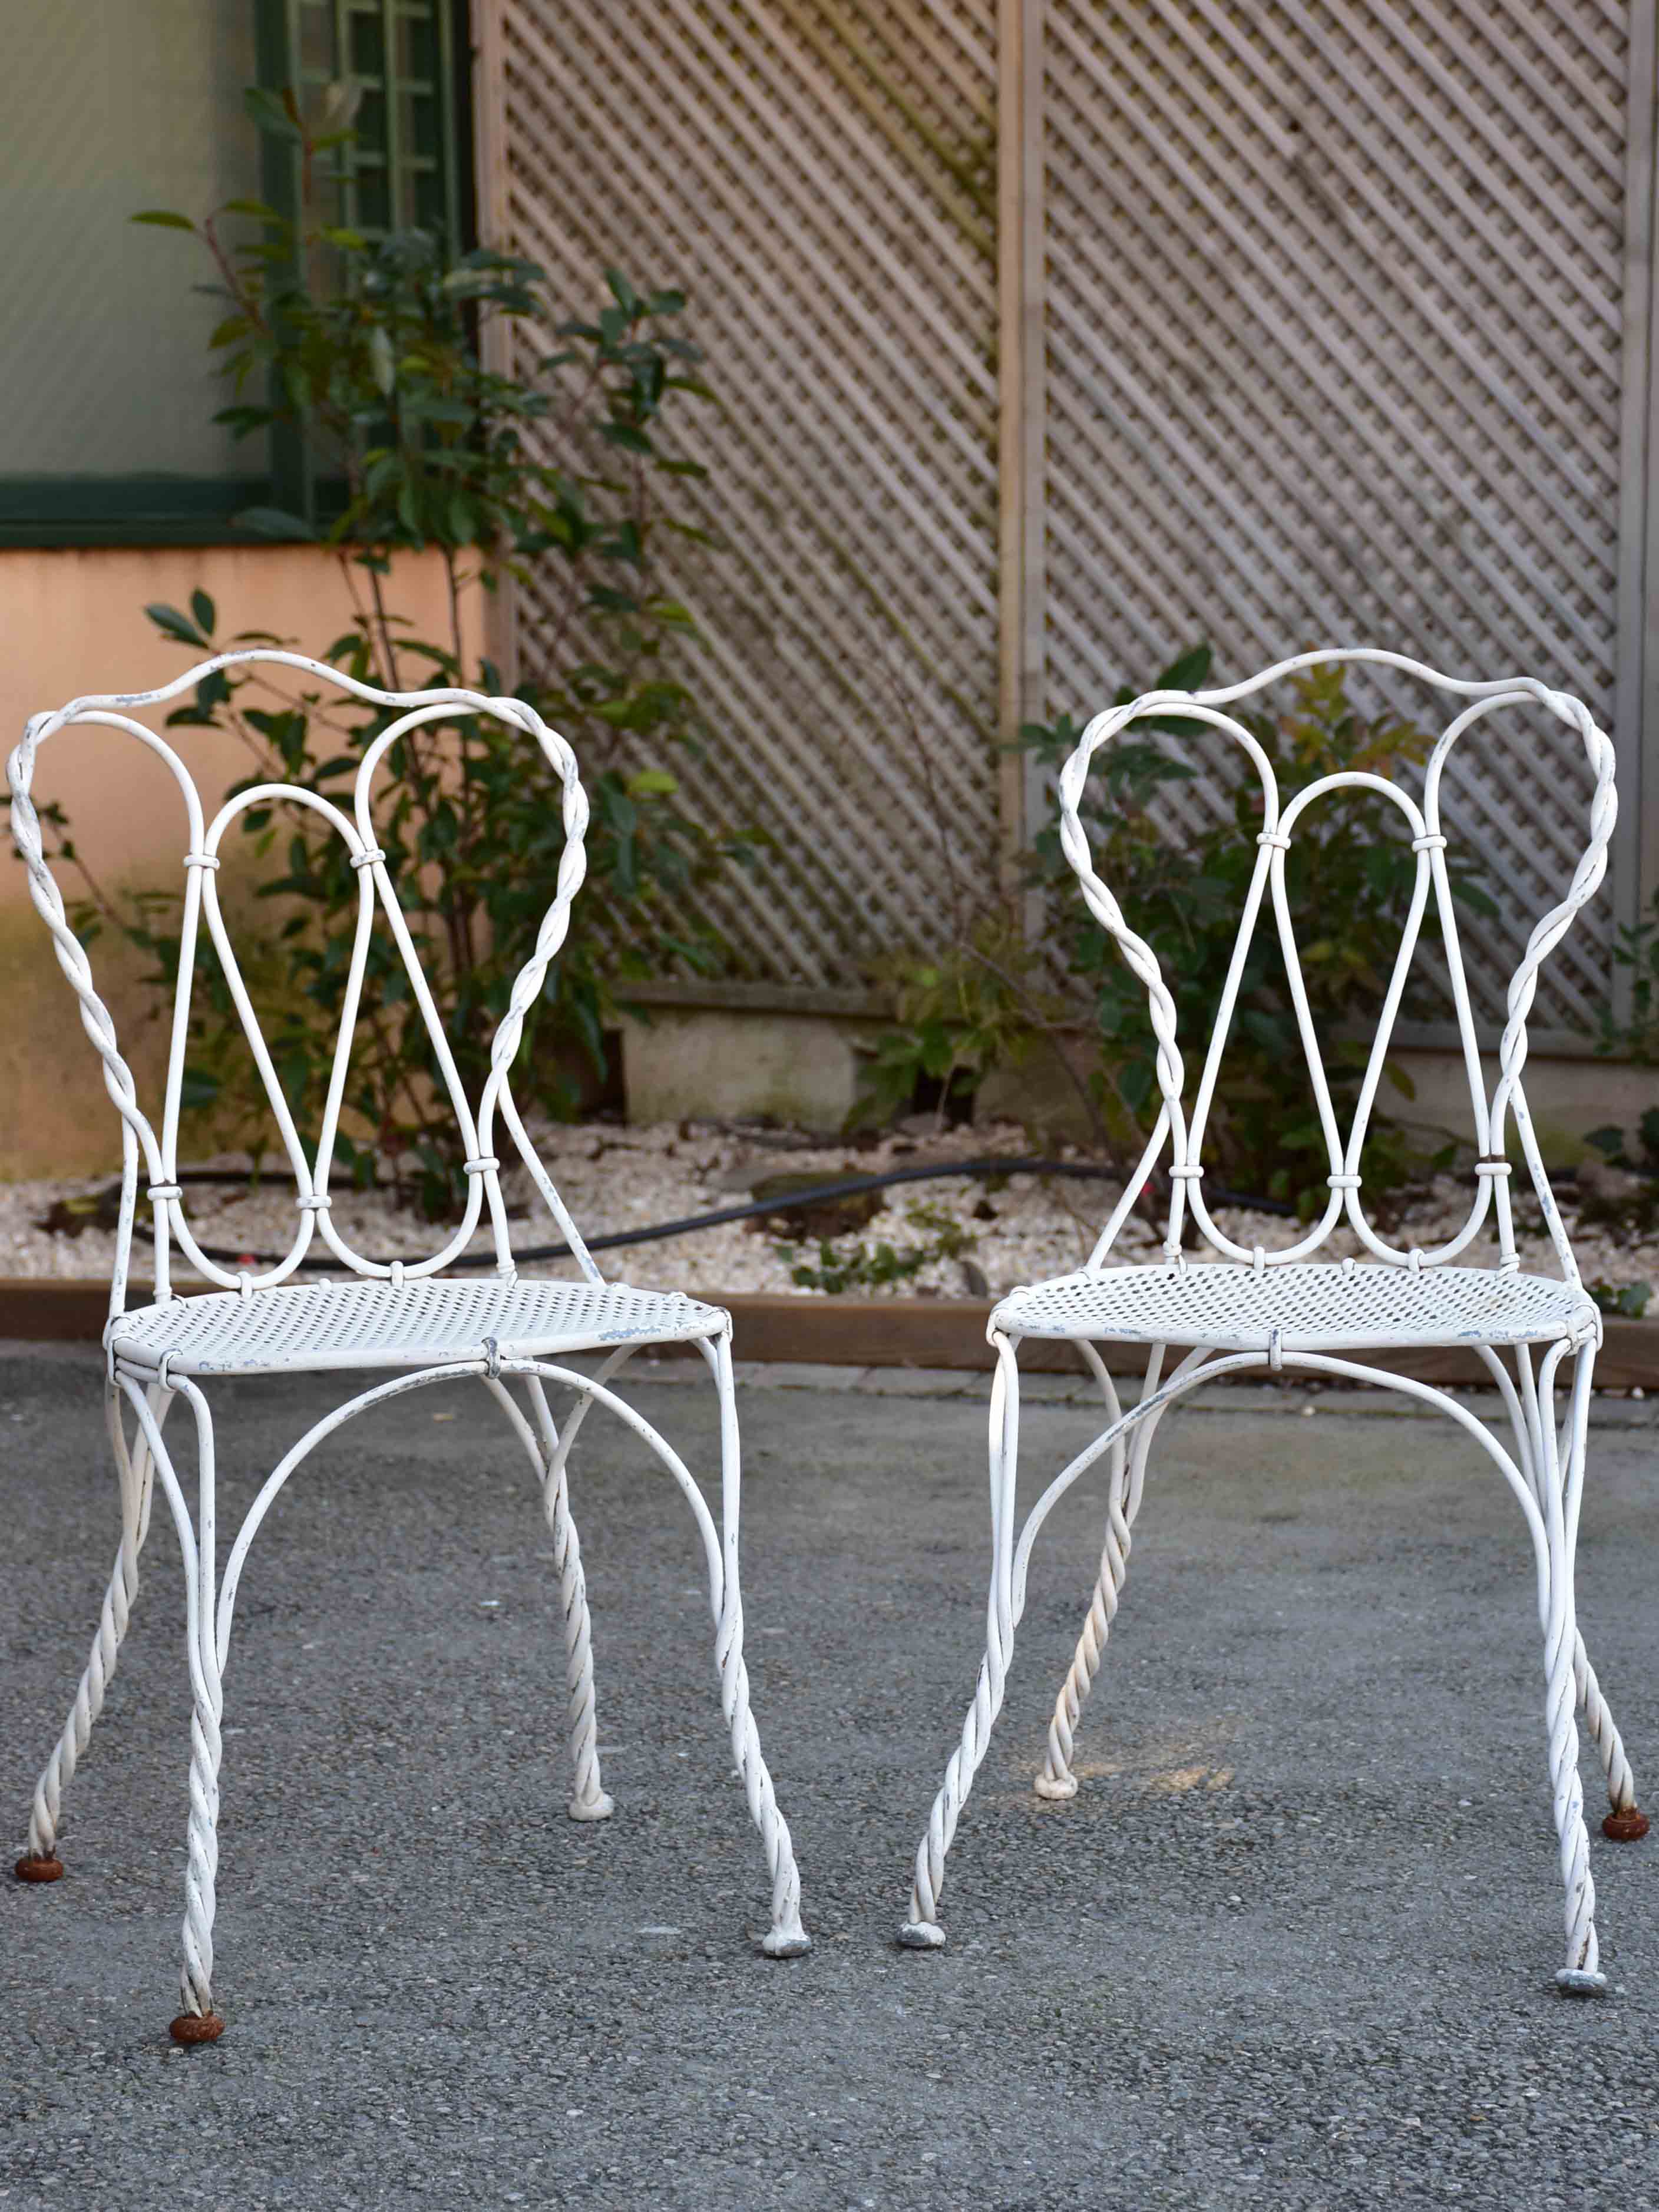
(159, 1151)
(1182, 1131)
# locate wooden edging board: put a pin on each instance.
(861, 1333)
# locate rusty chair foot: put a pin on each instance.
(1626, 1826)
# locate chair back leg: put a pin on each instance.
(40, 1862)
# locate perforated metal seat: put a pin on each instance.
(1319, 1305)
(306, 1328)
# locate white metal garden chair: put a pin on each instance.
(1284, 1309)
(412, 1318)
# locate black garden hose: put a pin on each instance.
(757, 1209)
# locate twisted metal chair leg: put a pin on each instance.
(787, 1938)
(198, 2021)
(1125, 1487)
(40, 1862)
(1057, 1782)
(921, 1931)
(1625, 1823)
(589, 1800)
(1561, 1490)
(206, 1643)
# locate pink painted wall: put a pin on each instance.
(73, 622)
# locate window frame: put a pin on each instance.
(144, 508)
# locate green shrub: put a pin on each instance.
(1349, 875)
(368, 352)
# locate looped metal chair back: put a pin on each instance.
(377, 906)
(1181, 1128)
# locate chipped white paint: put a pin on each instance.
(1280, 1308)
(398, 1316)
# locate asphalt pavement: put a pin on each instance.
(1291, 1946)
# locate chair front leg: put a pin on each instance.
(41, 1862)
(199, 2022)
(1625, 1822)
(1562, 1488)
(787, 1938)
(921, 1931)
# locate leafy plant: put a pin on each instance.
(1609, 1141)
(1628, 1301)
(1636, 1037)
(369, 351)
(849, 1264)
(957, 1018)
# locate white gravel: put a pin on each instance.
(615, 1178)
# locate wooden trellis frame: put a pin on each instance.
(1399, 260)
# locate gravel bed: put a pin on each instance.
(615, 1177)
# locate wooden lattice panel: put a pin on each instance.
(1334, 300)
(820, 178)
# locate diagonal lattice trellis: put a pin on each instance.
(1333, 301)
(821, 179)
(1335, 298)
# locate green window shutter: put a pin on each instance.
(403, 58)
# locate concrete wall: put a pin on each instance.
(75, 623)
(1568, 1097)
(725, 1064)
(800, 1067)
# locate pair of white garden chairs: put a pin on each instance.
(1246, 1310)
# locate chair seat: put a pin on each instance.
(305, 1328)
(1314, 1306)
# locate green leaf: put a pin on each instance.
(274, 116)
(1134, 1082)
(204, 612)
(671, 613)
(173, 624)
(1187, 671)
(164, 219)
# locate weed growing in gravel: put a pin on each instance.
(847, 1264)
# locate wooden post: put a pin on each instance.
(1635, 858)
(501, 628)
(1021, 368)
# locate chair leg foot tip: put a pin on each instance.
(196, 2027)
(591, 1809)
(1628, 1825)
(922, 1935)
(1578, 1981)
(787, 1942)
(38, 1866)
(1056, 1788)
